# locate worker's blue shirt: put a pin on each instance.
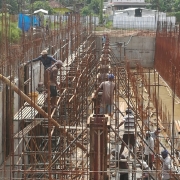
(47, 61)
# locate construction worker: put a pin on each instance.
(146, 172)
(155, 133)
(47, 62)
(108, 88)
(114, 153)
(103, 73)
(103, 40)
(46, 59)
(123, 165)
(129, 127)
(53, 82)
(47, 27)
(115, 157)
(166, 165)
(149, 148)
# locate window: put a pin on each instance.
(138, 12)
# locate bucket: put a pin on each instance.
(33, 96)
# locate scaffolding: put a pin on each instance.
(39, 142)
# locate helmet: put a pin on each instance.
(44, 52)
(164, 152)
(111, 76)
(129, 111)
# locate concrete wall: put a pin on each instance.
(36, 78)
(139, 49)
(1, 114)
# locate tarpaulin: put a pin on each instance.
(25, 22)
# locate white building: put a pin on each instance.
(140, 18)
(114, 5)
(124, 4)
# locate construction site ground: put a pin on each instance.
(165, 95)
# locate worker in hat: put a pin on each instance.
(149, 149)
(53, 72)
(166, 165)
(47, 61)
(128, 111)
(107, 100)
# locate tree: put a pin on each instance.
(166, 5)
(154, 4)
(41, 5)
(86, 11)
(95, 6)
(10, 6)
(92, 8)
(176, 6)
(162, 5)
(88, 1)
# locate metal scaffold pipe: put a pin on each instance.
(41, 111)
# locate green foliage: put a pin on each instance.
(154, 4)
(163, 5)
(177, 5)
(95, 6)
(176, 14)
(86, 11)
(100, 28)
(42, 5)
(166, 5)
(15, 33)
(12, 32)
(88, 1)
(61, 10)
(10, 6)
(67, 2)
(109, 24)
(92, 8)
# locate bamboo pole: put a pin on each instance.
(41, 111)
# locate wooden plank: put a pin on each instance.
(177, 123)
(28, 128)
(28, 112)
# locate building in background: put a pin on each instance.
(140, 18)
(124, 4)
